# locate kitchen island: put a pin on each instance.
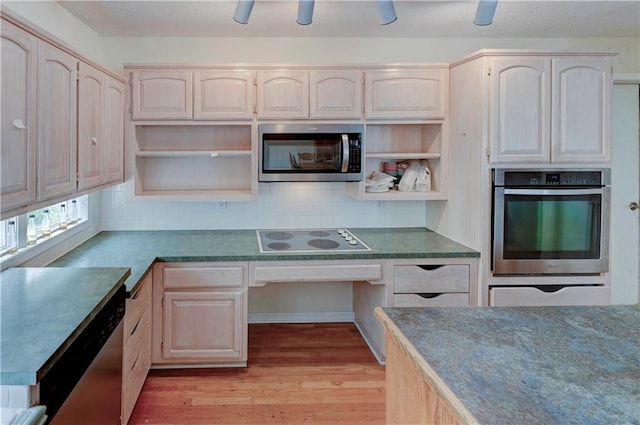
(521, 365)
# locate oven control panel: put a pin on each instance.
(522, 178)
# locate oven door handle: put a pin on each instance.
(345, 153)
(546, 192)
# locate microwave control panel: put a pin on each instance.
(355, 156)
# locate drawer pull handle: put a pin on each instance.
(136, 326)
(431, 267)
(133, 366)
(429, 294)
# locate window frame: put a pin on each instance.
(58, 235)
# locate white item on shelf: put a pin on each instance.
(379, 182)
(423, 180)
(408, 180)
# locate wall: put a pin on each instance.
(302, 205)
(119, 50)
(279, 205)
(57, 21)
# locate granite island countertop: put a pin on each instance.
(140, 249)
(43, 310)
(529, 365)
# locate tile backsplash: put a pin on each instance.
(279, 206)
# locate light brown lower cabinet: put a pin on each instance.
(136, 359)
(201, 314)
(440, 282)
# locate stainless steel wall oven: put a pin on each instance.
(550, 222)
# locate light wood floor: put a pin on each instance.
(296, 374)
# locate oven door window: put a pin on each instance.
(317, 153)
(552, 227)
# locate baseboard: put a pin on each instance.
(301, 317)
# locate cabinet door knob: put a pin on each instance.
(94, 140)
(17, 123)
(634, 206)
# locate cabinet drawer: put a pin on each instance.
(139, 340)
(533, 296)
(203, 276)
(133, 380)
(459, 299)
(136, 307)
(431, 278)
(317, 273)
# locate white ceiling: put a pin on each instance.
(359, 18)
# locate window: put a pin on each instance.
(62, 216)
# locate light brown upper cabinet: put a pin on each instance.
(283, 94)
(162, 94)
(581, 107)
(62, 121)
(336, 94)
(19, 79)
(184, 94)
(100, 128)
(546, 109)
(114, 120)
(90, 126)
(223, 95)
(57, 114)
(398, 94)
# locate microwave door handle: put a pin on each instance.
(345, 153)
(592, 191)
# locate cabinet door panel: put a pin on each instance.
(114, 119)
(162, 94)
(520, 110)
(581, 105)
(223, 95)
(18, 139)
(283, 94)
(57, 100)
(336, 94)
(90, 126)
(406, 94)
(204, 325)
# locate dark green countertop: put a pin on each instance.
(140, 249)
(43, 310)
(530, 365)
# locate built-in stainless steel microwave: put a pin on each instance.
(302, 152)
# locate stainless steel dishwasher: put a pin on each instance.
(85, 385)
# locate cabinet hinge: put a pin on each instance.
(487, 152)
(489, 72)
